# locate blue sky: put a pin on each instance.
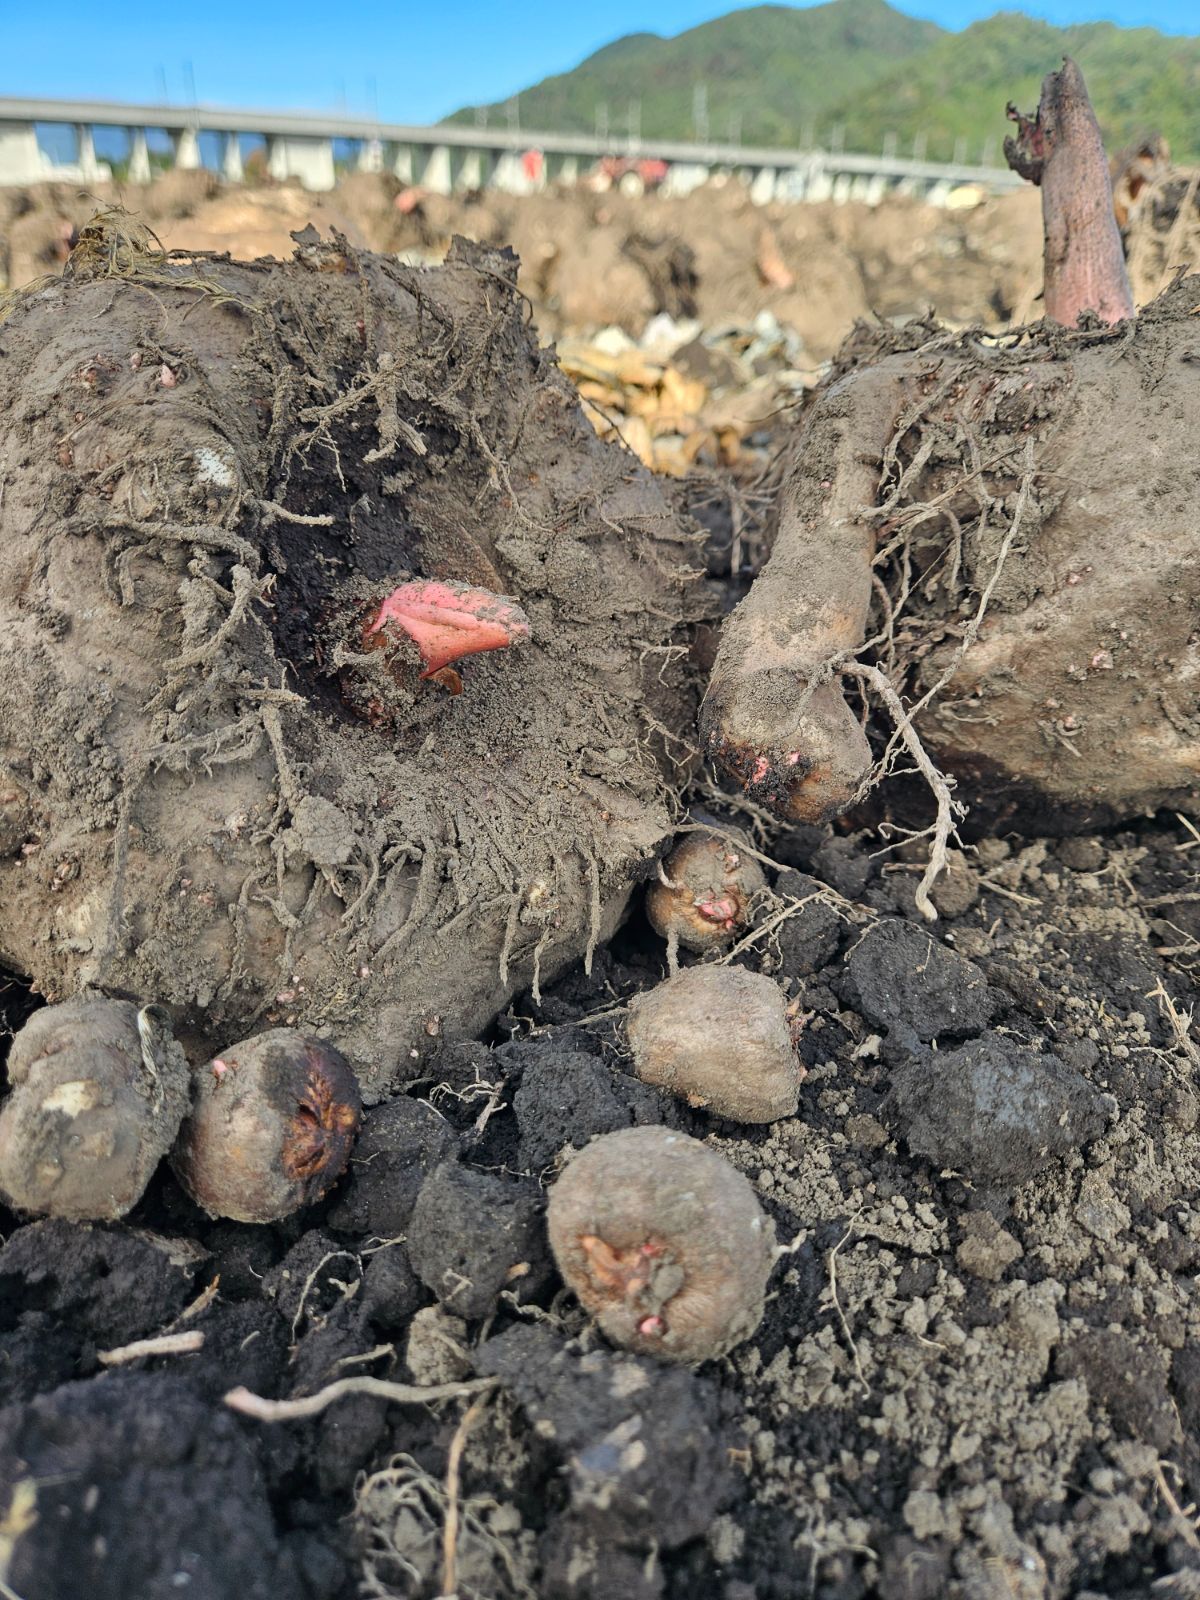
(413, 63)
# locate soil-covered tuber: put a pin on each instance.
(98, 1091)
(663, 1242)
(718, 1036)
(271, 1129)
(217, 823)
(711, 882)
(976, 539)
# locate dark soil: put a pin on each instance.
(978, 1371)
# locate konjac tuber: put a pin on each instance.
(704, 892)
(1014, 527)
(719, 1037)
(271, 1128)
(663, 1242)
(98, 1091)
(183, 671)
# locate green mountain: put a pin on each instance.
(763, 75)
(778, 76)
(1141, 82)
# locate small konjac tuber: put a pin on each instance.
(271, 1128)
(663, 1242)
(718, 1036)
(99, 1089)
(706, 899)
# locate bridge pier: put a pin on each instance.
(90, 170)
(562, 169)
(310, 160)
(186, 144)
(139, 157)
(762, 186)
(434, 170)
(474, 170)
(232, 169)
(402, 163)
(20, 159)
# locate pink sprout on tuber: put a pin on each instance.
(447, 621)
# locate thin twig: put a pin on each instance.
(311, 1405)
(453, 1469)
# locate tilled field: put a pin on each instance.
(231, 800)
(977, 1371)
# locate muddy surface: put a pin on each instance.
(977, 1372)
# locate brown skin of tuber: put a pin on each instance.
(663, 1242)
(271, 1129)
(719, 1037)
(96, 1102)
(708, 898)
(774, 716)
(1060, 150)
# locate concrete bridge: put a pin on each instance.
(446, 157)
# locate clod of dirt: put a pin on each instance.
(897, 973)
(663, 1242)
(99, 1478)
(271, 1128)
(401, 1142)
(986, 1250)
(812, 936)
(68, 1290)
(99, 1089)
(1128, 1380)
(565, 1098)
(843, 866)
(391, 1290)
(642, 1445)
(719, 1038)
(578, 1566)
(472, 1235)
(337, 425)
(994, 1110)
(711, 882)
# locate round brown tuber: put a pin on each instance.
(271, 1129)
(99, 1089)
(663, 1242)
(707, 898)
(718, 1036)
